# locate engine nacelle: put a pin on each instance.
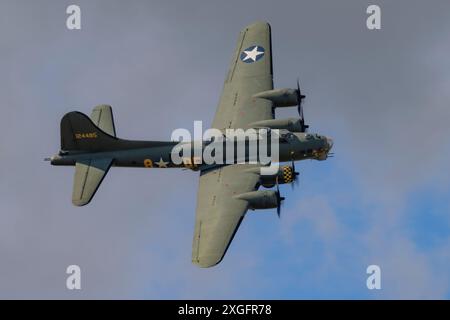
(263, 199)
(280, 97)
(285, 174)
(291, 124)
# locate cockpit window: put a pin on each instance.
(309, 137)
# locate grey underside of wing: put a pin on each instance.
(219, 214)
(237, 108)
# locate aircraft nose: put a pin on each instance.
(330, 143)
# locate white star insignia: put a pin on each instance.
(253, 54)
(161, 163)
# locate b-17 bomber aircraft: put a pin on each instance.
(226, 190)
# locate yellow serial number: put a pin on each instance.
(87, 135)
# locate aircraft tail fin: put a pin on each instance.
(85, 139)
(89, 174)
(79, 133)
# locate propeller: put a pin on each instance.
(295, 173)
(300, 98)
(279, 199)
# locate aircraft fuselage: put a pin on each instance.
(292, 147)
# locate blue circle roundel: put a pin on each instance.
(252, 54)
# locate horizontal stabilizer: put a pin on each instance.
(102, 116)
(89, 174)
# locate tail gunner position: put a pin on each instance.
(226, 191)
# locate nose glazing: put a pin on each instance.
(329, 143)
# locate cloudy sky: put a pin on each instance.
(382, 95)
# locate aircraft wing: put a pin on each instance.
(219, 214)
(250, 72)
